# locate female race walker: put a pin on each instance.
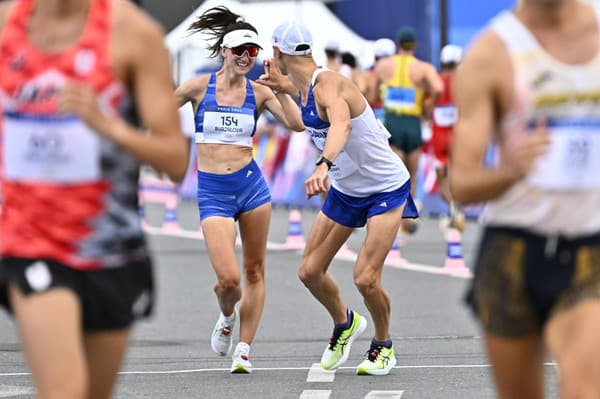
(230, 184)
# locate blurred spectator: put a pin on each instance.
(332, 52)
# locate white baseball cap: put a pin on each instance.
(333, 45)
(293, 38)
(240, 36)
(451, 54)
(384, 47)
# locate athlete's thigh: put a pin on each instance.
(104, 352)
(381, 233)
(572, 337)
(517, 365)
(50, 329)
(324, 240)
(219, 236)
(254, 231)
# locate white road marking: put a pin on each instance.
(317, 374)
(426, 269)
(187, 371)
(8, 391)
(384, 395)
(315, 394)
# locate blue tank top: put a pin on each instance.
(224, 124)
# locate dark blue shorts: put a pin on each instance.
(354, 211)
(111, 299)
(229, 195)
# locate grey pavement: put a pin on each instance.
(438, 345)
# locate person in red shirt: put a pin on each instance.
(443, 117)
(75, 271)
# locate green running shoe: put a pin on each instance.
(338, 349)
(379, 361)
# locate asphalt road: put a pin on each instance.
(438, 345)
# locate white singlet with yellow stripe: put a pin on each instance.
(562, 194)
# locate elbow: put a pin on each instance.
(177, 176)
(458, 187)
(298, 127)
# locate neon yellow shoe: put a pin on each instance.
(338, 349)
(379, 361)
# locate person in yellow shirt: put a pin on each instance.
(409, 88)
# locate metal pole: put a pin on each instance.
(443, 22)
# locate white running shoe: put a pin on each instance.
(220, 340)
(241, 363)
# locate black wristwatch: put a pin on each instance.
(324, 160)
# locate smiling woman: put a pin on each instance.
(226, 106)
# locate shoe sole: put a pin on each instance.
(384, 371)
(239, 369)
(362, 326)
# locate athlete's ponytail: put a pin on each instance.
(217, 22)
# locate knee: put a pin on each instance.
(228, 282)
(254, 272)
(366, 283)
(309, 275)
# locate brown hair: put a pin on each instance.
(217, 22)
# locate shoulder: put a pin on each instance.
(424, 65)
(329, 78)
(485, 72)
(487, 56)
(194, 87)
(135, 24)
(385, 63)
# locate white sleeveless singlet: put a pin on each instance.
(562, 194)
(366, 165)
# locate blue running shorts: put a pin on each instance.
(354, 211)
(229, 195)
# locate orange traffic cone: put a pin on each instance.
(394, 257)
(295, 238)
(170, 226)
(455, 263)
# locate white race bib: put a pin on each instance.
(228, 128)
(343, 166)
(572, 162)
(52, 150)
(445, 115)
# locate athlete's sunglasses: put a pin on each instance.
(250, 48)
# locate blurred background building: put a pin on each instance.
(436, 21)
